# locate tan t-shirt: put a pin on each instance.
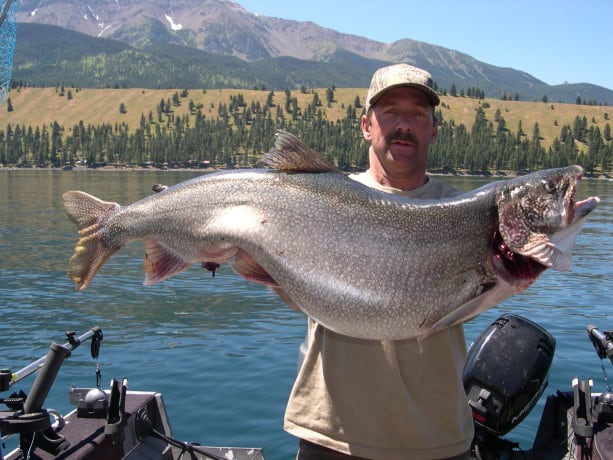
(389, 400)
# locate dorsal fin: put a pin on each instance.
(291, 154)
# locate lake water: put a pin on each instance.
(223, 351)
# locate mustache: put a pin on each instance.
(407, 136)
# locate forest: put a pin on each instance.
(241, 131)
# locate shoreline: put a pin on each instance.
(127, 169)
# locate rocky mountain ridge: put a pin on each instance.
(223, 27)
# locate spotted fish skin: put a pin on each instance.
(362, 262)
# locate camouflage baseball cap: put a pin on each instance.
(397, 75)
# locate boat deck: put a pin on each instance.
(87, 438)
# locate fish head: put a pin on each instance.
(539, 219)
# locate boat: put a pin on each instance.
(504, 376)
(106, 424)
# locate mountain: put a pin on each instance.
(216, 26)
(51, 56)
(206, 33)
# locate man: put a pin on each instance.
(386, 400)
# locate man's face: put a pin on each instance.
(400, 129)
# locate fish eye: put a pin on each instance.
(549, 186)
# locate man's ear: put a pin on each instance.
(365, 125)
(434, 132)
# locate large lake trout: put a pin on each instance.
(361, 262)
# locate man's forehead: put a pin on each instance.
(403, 94)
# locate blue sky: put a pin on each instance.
(555, 41)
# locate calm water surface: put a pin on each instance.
(223, 351)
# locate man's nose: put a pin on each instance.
(404, 122)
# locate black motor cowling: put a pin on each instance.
(506, 372)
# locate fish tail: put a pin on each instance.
(90, 253)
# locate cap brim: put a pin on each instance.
(428, 92)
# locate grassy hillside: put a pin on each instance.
(42, 106)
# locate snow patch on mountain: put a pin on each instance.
(104, 29)
(93, 15)
(173, 26)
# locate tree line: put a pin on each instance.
(490, 146)
(241, 132)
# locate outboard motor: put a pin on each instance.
(504, 376)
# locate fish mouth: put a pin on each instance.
(577, 210)
(584, 207)
(564, 240)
